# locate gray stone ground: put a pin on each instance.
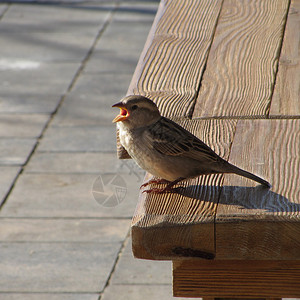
(63, 233)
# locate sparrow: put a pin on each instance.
(165, 149)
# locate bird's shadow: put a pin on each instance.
(258, 197)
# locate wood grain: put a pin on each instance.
(286, 97)
(264, 224)
(230, 70)
(171, 66)
(236, 279)
(241, 67)
(169, 225)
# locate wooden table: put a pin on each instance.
(229, 72)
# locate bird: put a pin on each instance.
(164, 148)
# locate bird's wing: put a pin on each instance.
(171, 139)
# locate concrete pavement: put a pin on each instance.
(64, 231)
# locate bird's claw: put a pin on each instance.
(155, 181)
(168, 189)
(163, 190)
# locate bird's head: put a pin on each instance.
(136, 111)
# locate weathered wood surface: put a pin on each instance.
(174, 57)
(285, 101)
(233, 68)
(157, 231)
(242, 63)
(236, 279)
(264, 224)
(242, 45)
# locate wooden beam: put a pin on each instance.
(171, 66)
(286, 97)
(236, 279)
(170, 225)
(241, 67)
(253, 222)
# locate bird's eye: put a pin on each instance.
(134, 107)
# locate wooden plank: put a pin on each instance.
(170, 225)
(246, 298)
(240, 73)
(173, 60)
(218, 298)
(236, 279)
(252, 222)
(174, 57)
(286, 97)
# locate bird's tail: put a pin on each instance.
(236, 170)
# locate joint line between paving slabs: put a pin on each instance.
(5, 10)
(88, 55)
(72, 83)
(115, 264)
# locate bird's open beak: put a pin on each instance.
(123, 115)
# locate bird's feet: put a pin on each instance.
(155, 181)
(163, 190)
(167, 189)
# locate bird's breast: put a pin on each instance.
(141, 150)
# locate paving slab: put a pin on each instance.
(70, 195)
(83, 162)
(7, 177)
(23, 76)
(104, 61)
(63, 224)
(3, 8)
(59, 17)
(15, 151)
(91, 99)
(80, 112)
(63, 230)
(130, 270)
(28, 103)
(136, 292)
(40, 47)
(48, 296)
(50, 32)
(117, 40)
(137, 11)
(79, 139)
(56, 267)
(134, 17)
(101, 86)
(22, 125)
